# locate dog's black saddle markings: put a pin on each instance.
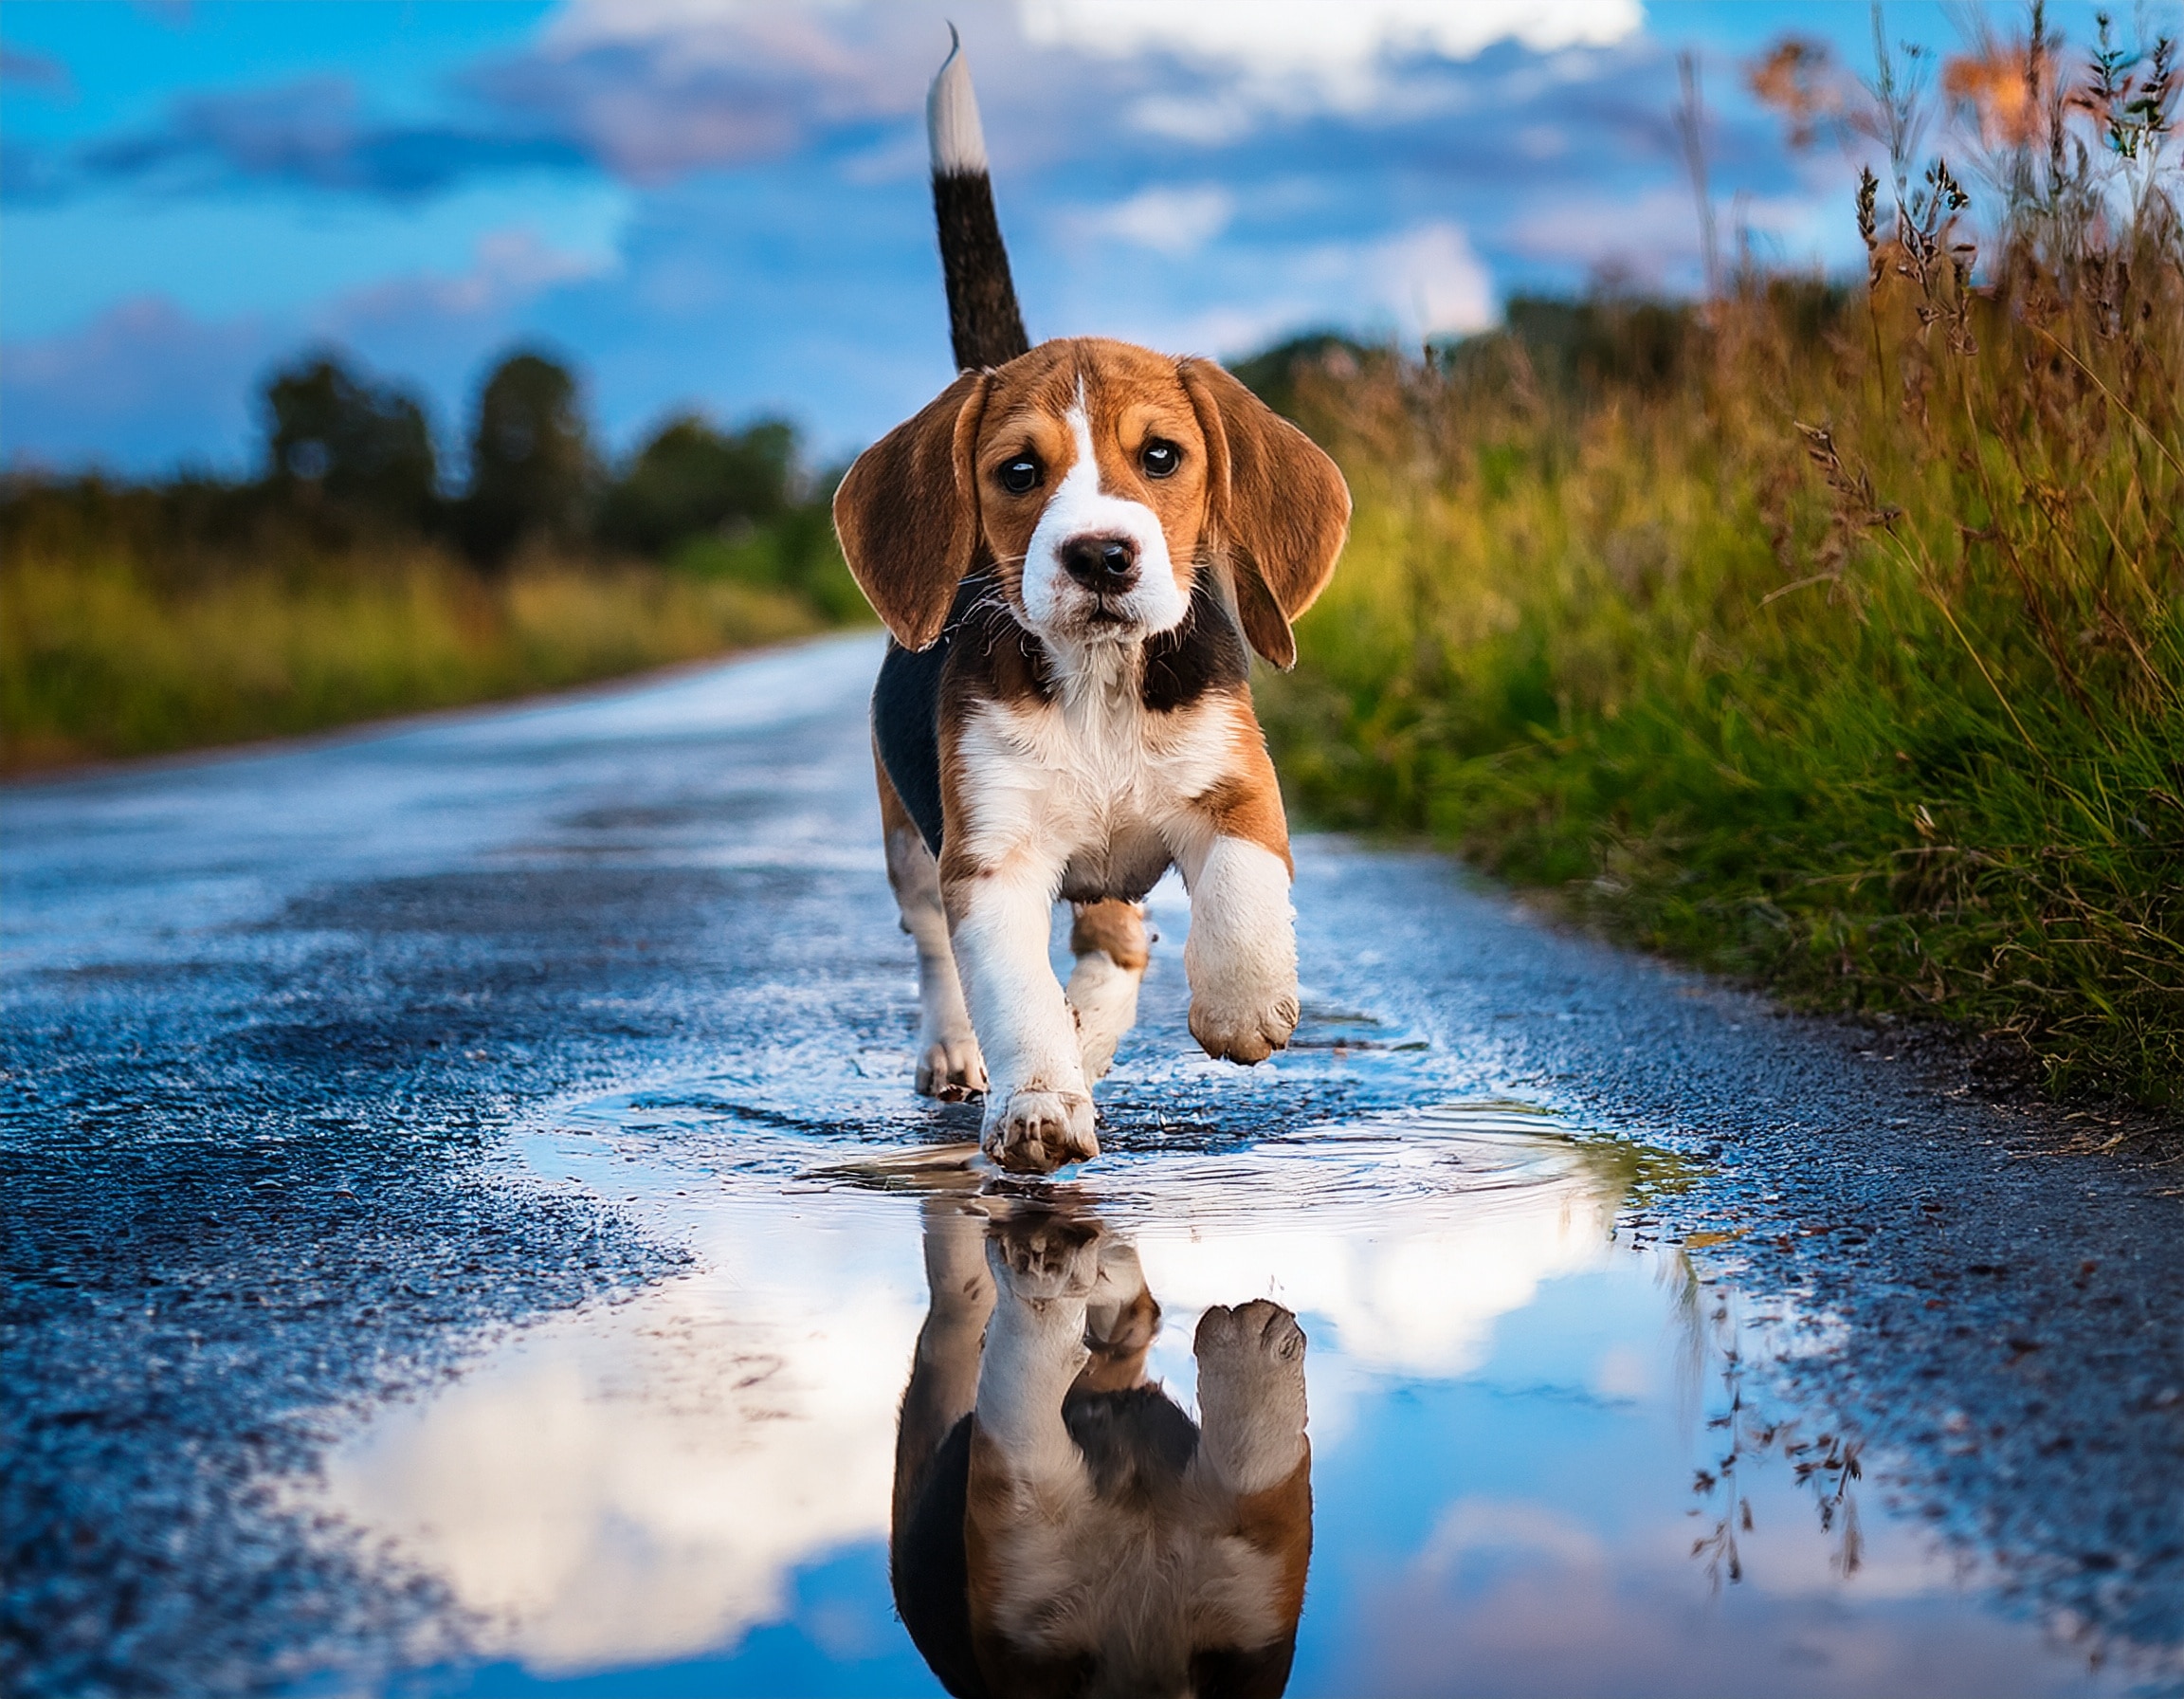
(906, 715)
(1205, 653)
(906, 729)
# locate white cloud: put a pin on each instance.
(508, 269)
(636, 1484)
(1173, 221)
(1419, 1297)
(1285, 56)
(1338, 46)
(725, 29)
(1431, 281)
(1275, 36)
(1418, 282)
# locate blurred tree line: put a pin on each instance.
(351, 467)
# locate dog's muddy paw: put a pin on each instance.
(1039, 1256)
(1038, 1131)
(1243, 1031)
(951, 1069)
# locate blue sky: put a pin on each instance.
(722, 204)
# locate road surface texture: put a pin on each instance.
(363, 1097)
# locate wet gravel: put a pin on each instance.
(270, 1018)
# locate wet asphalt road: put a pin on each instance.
(270, 1018)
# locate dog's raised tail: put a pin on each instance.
(983, 320)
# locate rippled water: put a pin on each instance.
(1543, 1458)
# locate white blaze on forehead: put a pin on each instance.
(1080, 508)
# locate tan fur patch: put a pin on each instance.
(1277, 506)
(1247, 803)
(906, 513)
(894, 815)
(1279, 1522)
(1118, 1353)
(1115, 926)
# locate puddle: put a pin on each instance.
(1543, 1454)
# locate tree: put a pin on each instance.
(691, 478)
(365, 447)
(530, 468)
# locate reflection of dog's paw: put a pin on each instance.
(1038, 1131)
(950, 1067)
(1244, 1030)
(1259, 1338)
(1251, 1392)
(1037, 1255)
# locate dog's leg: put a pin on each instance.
(1027, 1484)
(1108, 940)
(1240, 956)
(1043, 1272)
(1038, 1109)
(1252, 1449)
(1250, 1396)
(949, 1066)
(1121, 1320)
(944, 1373)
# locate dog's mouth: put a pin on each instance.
(1099, 616)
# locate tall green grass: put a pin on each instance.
(1834, 638)
(103, 654)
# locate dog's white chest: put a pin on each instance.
(1089, 780)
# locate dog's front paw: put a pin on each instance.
(950, 1067)
(1245, 1029)
(1035, 1132)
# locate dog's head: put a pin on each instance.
(1095, 478)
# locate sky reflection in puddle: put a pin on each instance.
(1541, 1460)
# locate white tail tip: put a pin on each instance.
(952, 126)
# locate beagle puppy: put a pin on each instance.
(1074, 551)
(1060, 1525)
(1071, 553)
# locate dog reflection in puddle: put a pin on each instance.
(1060, 1526)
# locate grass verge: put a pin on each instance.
(101, 657)
(1833, 638)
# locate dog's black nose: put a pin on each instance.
(1107, 563)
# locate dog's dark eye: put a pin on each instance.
(1161, 459)
(1019, 475)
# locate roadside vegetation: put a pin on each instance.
(345, 582)
(1829, 635)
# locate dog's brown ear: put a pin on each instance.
(907, 513)
(1277, 506)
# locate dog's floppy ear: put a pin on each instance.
(1276, 505)
(907, 513)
